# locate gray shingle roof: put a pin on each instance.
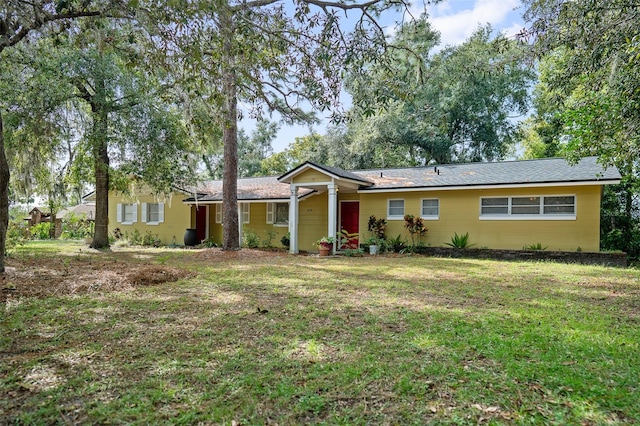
(543, 171)
(249, 189)
(88, 210)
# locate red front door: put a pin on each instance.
(349, 220)
(201, 223)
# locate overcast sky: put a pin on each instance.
(455, 20)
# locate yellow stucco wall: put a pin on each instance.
(311, 176)
(352, 196)
(177, 216)
(313, 221)
(460, 212)
(215, 229)
(257, 224)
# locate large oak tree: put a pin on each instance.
(19, 21)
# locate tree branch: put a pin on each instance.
(39, 22)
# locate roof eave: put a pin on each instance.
(250, 200)
(288, 177)
(598, 182)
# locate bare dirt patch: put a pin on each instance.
(68, 275)
(88, 272)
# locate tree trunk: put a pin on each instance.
(231, 238)
(4, 197)
(101, 168)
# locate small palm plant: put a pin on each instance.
(460, 241)
(535, 247)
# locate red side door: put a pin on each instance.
(201, 223)
(349, 221)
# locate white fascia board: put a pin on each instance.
(333, 176)
(263, 200)
(303, 169)
(499, 186)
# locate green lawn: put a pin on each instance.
(372, 340)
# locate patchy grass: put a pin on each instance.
(262, 338)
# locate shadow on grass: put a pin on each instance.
(302, 340)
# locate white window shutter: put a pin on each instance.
(270, 210)
(245, 212)
(135, 213)
(218, 213)
(144, 212)
(161, 212)
(119, 213)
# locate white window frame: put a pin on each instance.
(541, 215)
(395, 216)
(271, 214)
(121, 213)
(146, 213)
(430, 216)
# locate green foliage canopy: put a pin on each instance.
(455, 105)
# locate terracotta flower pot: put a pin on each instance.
(324, 250)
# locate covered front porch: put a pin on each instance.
(342, 207)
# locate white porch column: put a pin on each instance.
(333, 212)
(293, 219)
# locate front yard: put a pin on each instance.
(269, 338)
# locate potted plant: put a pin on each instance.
(374, 245)
(377, 227)
(325, 245)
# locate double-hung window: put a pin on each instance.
(430, 208)
(127, 214)
(529, 208)
(152, 213)
(395, 209)
(278, 214)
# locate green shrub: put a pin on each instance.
(41, 231)
(135, 239)
(397, 244)
(353, 252)
(209, 243)
(250, 239)
(17, 233)
(271, 234)
(76, 227)
(150, 239)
